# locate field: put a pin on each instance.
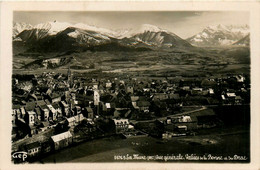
(196, 63)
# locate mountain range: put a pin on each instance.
(219, 35)
(58, 36)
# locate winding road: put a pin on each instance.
(171, 116)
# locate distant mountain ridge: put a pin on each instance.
(62, 36)
(151, 35)
(219, 35)
(54, 27)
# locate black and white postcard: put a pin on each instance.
(142, 83)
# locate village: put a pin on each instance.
(52, 111)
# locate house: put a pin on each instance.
(107, 107)
(130, 89)
(96, 98)
(121, 125)
(108, 84)
(240, 78)
(167, 135)
(95, 86)
(196, 91)
(57, 107)
(62, 140)
(73, 121)
(13, 117)
(211, 91)
(89, 126)
(17, 112)
(231, 95)
(54, 97)
(53, 111)
(173, 124)
(187, 88)
(146, 89)
(33, 130)
(45, 113)
(31, 118)
(160, 96)
(33, 149)
(23, 112)
(64, 108)
(38, 113)
(183, 128)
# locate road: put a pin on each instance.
(171, 116)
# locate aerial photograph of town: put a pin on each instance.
(144, 86)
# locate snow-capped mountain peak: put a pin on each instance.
(19, 27)
(215, 35)
(104, 31)
(145, 35)
(214, 28)
(232, 28)
(53, 27)
(142, 29)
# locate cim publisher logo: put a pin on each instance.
(20, 155)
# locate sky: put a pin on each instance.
(183, 23)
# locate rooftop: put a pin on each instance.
(61, 136)
(33, 145)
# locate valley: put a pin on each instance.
(140, 91)
(154, 63)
